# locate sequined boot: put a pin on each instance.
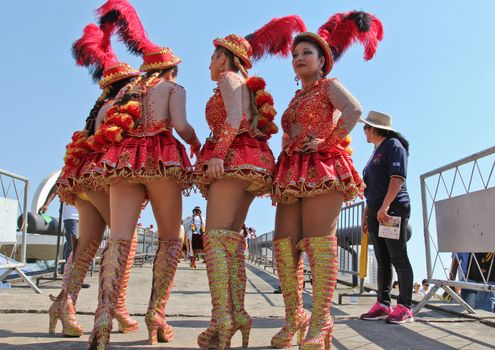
(219, 248)
(323, 260)
(126, 323)
(164, 268)
(112, 268)
(291, 280)
(64, 305)
(238, 280)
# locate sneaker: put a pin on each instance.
(400, 314)
(379, 311)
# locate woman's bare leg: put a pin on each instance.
(125, 206)
(166, 202)
(101, 201)
(91, 227)
(320, 214)
(225, 199)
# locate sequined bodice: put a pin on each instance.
(310, 112)
(216, 115)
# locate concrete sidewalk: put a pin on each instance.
(24, 318)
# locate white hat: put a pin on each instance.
(378, 120)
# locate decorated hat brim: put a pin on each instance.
(107, 81)
(235, 50)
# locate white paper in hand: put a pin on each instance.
(391, 229)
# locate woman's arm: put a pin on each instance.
(230, 86)
(178, 115)
(350, 110)
(393, 189)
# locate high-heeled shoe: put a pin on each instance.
(112, 267)
(126, 323)
(290, 276)
(238, 280)
(219, 248)
(164, 268)
(63, 307)
(323, 260)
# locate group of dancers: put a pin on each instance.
(127, 156)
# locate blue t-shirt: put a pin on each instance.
(389, 159)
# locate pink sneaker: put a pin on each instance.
(400, 314)
(379, 311)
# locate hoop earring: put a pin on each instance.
(297, 79)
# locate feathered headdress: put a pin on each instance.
(94, 51)
(274, 38)
(131, 31)
(343, 29)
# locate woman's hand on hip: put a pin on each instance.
(215, 168)
(382, 215)
(311, 144)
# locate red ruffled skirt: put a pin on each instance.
(248, 158)
(144, 159)
(75, 181)
(302, 175)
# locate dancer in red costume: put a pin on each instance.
(144, 160)
(315, 174)
(235, 166)
(75, 185)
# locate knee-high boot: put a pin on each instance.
(238, 278)
(64, 305)
(219, 248)
(323, 259)
(126, 323)
(164, 269)
(112, 268)
(290, 275)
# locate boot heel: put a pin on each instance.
(224, 337)
(153, 335)
(53, 323)
(165, 335)
(328, 341)
(99, 342)
(246, 331)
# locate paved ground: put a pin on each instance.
(24, 321)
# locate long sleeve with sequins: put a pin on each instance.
(177, 109)
(230, 85)
(350, 108)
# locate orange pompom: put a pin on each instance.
(112, 110)
(268, 111)
(262, 123)
(113, 133)
(79, 134)
(255, 83)
(123, 120)
(99, 136)
(133, 108)
(78, 152)
(263, 97)
(346, 141)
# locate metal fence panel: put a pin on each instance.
(16, 187)
(462, 177)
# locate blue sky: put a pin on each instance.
(433, 73)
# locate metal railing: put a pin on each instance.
(16, 187)
(260, 249)
(463, 179)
